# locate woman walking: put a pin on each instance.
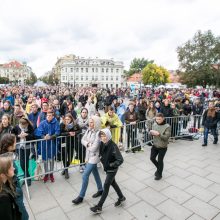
(91, 142)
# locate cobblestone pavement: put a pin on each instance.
(190, 188)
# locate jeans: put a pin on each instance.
(160, 152)
(213, 132)
(20, 204)
(90, 168)
(24, 160)
(110, 180)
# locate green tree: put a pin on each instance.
(155, 75)
(137, 65)
(199, 60)
(31, 79)
(4, 80)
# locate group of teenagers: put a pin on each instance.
(99, 147)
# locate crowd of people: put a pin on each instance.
(90, 122)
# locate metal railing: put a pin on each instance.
(40, 157)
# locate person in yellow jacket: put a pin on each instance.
(112, 121)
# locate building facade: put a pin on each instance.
(79, 72)
(15, 71)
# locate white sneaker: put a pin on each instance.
(81, 169)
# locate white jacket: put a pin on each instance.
(91, 141)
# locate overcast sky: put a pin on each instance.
(40, 31)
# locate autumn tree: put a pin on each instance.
(155, 75)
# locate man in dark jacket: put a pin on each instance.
(197, 109)
(131, 120)
(111, 159)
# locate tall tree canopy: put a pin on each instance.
(199, 60)
(155, 75)
(138, 64)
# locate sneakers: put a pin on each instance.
(120, 201)
(78, 200)
(204, 145)
(46, 178)
(66, 174)
(96, 209)
(81, 169)
(158, 177)
(52, 178)
(215, 142)
(99, 193)
(156, 173)
(63, 173)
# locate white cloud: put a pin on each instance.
(40, 31)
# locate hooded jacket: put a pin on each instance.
(109, 153)
(91, 141)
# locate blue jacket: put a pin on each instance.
(33, 118)
(11, 99)
(48, 148)
(120, 112)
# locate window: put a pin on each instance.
(111, 77)
(103, 78)
(81, 70)
(77, 69)
(66, 69)
(93, 70)
(77, 78)
(106, 85)
(96, 78)
(87, 70)
(81, 77)
(86, 77)
(116, 70)
(111, 85)
(96, 69)
(103, 70)
(116, 78)
(111, 70)
(106, 70)
(71, 78)
(116, 85)
(71, 70)
(92, 77)
(63, 78)
(81, 85)
(106, 78)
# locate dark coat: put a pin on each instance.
(70, 141)
(8, 208)
(141, 112)
(17, 131)
(5, 131)
(166, 111)
(210, 122)
(110, 156)
(197, 109)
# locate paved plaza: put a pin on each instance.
(190, 188)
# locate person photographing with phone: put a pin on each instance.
(161, 133)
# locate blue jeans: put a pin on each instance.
(213, 132)
(90, 168)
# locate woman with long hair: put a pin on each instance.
(5, 125)
(7, 145)
(24, 131)
(210, 121)
(70, 130)
(9, 209)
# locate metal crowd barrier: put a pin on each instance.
(40, 157)
(135, 136)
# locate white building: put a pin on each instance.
(15, 72)
(103, 73)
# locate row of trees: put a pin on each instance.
(199, 63)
